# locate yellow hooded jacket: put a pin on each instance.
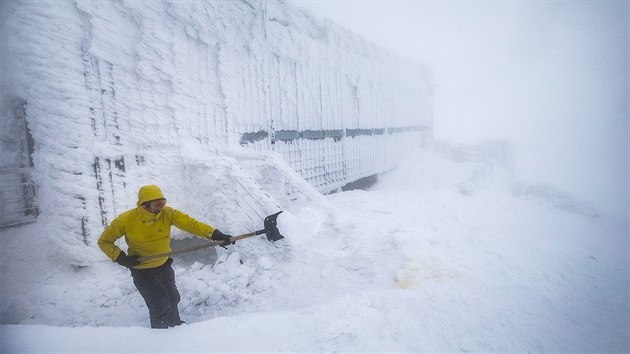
(147, 233)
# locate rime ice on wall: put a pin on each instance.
(124, 93)
(343, 109)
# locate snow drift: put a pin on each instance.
(120, 94)
(414, 264)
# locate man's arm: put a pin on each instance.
(113, 232)
(189, 224)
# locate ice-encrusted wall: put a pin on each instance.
(122, 93)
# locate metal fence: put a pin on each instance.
(18, 202)
(18, 193)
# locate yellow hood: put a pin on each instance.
(150, 192)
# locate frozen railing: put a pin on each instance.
(18, 197)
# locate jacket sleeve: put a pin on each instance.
(113, 232)
(189, 224)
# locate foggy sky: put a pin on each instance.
(550, 77)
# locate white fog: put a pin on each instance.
(489, 139)
(549, 77)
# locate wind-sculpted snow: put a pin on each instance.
(119, 94)
(411, 265)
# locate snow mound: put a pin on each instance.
(556, 198)
(410, 265)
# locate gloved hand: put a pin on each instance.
(127, 261)
(220, 236)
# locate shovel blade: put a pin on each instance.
(271, 228)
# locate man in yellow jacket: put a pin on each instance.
(147, 230)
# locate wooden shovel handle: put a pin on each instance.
(198, 247)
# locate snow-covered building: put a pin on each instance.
(111, 95)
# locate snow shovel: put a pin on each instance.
(271, 231)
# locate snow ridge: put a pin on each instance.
(121, 94)
(412, 264)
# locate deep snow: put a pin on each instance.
(437, 256)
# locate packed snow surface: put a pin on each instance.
(437, 256)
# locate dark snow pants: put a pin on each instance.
(157, 287)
